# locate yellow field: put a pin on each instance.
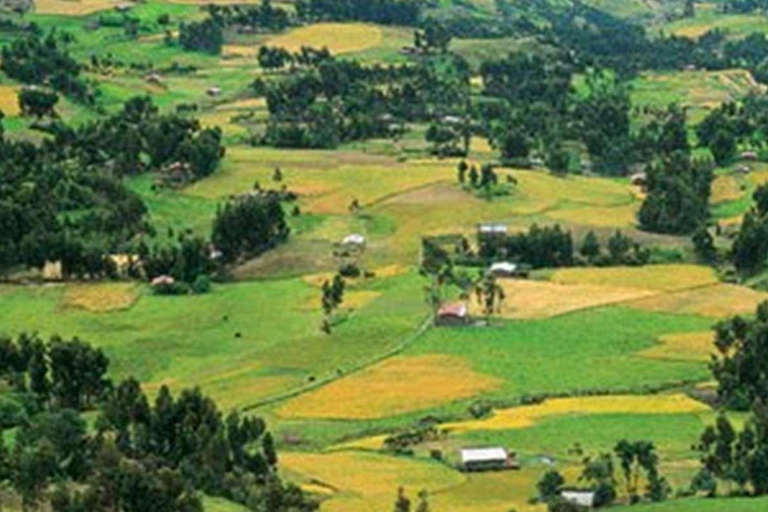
(366, 481)
(526, 416)
(719, 301)
(101, 297)
(690, 346)
(726, 188)
(617, 216)
(395, 386)
(541, 299)
(337, 37)
(73, 7)
(651, 277)
(9, 101)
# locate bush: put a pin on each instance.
(202, 284)
(12, 413)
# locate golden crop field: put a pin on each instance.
(650, 277)
(719, 301)
(367, 481)
(726, 188)
(689, 346)
(73, 7)
(9, 100)
(101, 297)
(526, 416)
(542, 299)
(616, 216)
(395, 386)
(337, 37)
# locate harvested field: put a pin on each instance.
(337, 37)
(395, 386)
(726, 188)
(541, 299)
(100, 298)
(618, 216)
(650, 277)
(718, 301)
(692, 346)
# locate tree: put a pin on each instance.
(723, 147)
(590, 246)
(37, 102)
(332, 298)
(550, 485)
(462, 171)
(513, 144)
(402, 503)
(490, 295)
(557, 158)
(704, 245)
(249, 226)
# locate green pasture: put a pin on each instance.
(193, 340)
(585, 351)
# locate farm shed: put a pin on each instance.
(507, 269)
(213, 91)
(453, 314)
(492, 229)
(487, 459)
(580, 498)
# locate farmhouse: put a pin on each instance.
(580, 498)
(487, 459)
(213, 91)
(453, 314)
(749, 155)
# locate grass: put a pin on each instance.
(191, 340)
(707, 505)
(700, 91)
(588, 350)
(395, 386)
(708, 18)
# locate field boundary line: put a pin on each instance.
(423, 328)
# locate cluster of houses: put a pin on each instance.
(500, 459)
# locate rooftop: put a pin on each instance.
(483, 455)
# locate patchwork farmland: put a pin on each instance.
(297, 256)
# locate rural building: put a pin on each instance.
(487, 459)
(507, 269)
(492, 229)
(213, 91)
(453, 314)
(123, 7)
(743, 169)
(154, 78)
(580, 498)
(749, 155)
(353, 240)
(639, 179)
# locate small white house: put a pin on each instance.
(503, 269)
(485, 459)
(492, 229)
(580, 498)
(353, 240)
(213, 91)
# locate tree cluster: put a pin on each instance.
(387, 12)
(38, 60)
(137, 456)
(249, 225)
